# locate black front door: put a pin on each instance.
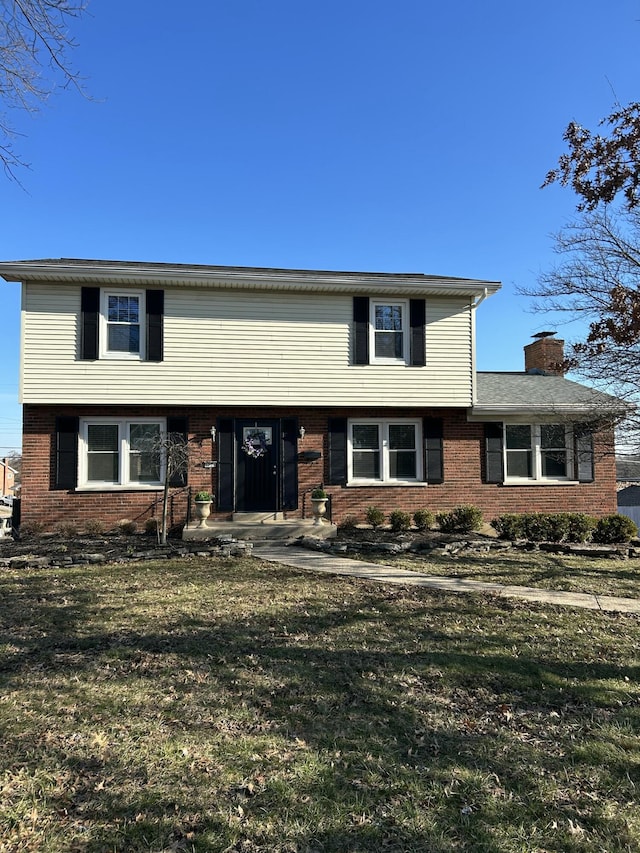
(258, 465)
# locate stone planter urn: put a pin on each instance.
(203, 508)
(319, 500)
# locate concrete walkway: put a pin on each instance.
(317, 561)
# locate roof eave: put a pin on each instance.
(240, 278)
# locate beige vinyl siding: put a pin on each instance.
(243, 348)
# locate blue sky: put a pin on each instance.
(400, 137)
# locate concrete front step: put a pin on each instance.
(257, 517)
(261, 530)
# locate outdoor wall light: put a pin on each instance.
(302, 433)
(213, 433)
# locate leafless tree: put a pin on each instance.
(597, 280)
(34, 60)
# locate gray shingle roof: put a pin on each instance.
(537, 392)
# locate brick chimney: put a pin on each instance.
(544, 355)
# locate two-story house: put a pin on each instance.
(281, 380)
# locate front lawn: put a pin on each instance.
(542, 569)
(232, 705)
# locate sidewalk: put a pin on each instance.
(317, 561)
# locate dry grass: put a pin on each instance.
(230, 705)
(618, 577)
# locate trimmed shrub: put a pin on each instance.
(545, 527)
(614, 528)
(581, 527)
(509, 526)
(423, 519)
(462, 519)
(399, 520)
(126, 527)
(374, 516)
(534, 526)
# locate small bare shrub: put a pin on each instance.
(151, 527)
(94, 527)
(31, 528)
(126, 527)
(68, 529)
(348, 524)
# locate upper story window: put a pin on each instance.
(122, 316)
(121, 453)
(384, 451)
(537, 451)
(388, 331)
(121, 324)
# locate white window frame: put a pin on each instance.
(383, 424)
(536, 453)
(404, 305)
(123, 481)
(103, 336)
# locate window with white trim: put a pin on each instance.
(126, 453)
(384, 451)
(122, 316)
(388, 329)
(538, 452)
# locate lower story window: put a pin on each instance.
(121, 452)
(537, 451)
(384, 451)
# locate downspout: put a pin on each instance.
(474, 305)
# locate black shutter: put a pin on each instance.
(337, 451)
(154, 303)
(434, 460)
(289, 430)
(66, 452)
(178, 431)
(89, 313)
(583, 455)
(226, 451)
(417, 320)
(494, 468)
(361, 330)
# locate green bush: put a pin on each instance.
(399, 520)
(534, 526)
(509, 526)
(423, 519)
(614, 528)
(581, 527)
(462, 519)
(544, 527)
(374, 516)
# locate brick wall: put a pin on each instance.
(463, 468)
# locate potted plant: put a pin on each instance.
(203, 507)
(318, 505)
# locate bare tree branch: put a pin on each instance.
(597, 280)
(34, 61)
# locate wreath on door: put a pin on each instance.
(255, 444)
